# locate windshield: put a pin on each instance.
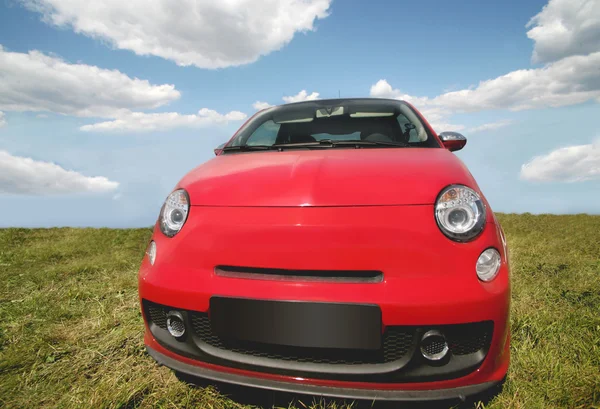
(368, 122)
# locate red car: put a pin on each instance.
(333, 248)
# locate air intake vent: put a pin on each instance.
(338, 276)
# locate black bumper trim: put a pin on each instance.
(400, 363)
(349, 393)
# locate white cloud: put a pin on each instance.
(570, 164)
(564, 28)
(437, 116)
(207, 34)
(140, 121)
(259, 105)
(37, 82)
(2, 120)
(447, 127)
(383, 89)
(19, 175)
(566, 34)
(301, 96)
(569, 81)
(492, 126)
(438, 119)
(440, 123)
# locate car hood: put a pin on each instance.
(326, 177)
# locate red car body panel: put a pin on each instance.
(341, 209)
(344, 177)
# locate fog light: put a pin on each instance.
(151, 252)
(434, 346)
(488, 265)
(175, 324)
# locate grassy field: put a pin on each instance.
(71, 330)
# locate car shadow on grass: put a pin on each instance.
(263, 398)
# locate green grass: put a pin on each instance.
(71, 330)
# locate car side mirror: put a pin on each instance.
(219, 149)
(453, 141)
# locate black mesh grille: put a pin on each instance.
(157, 315)
(397, 342)
(462, 339)
(469, 338)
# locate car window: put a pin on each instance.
(265, 134)
(355, 136)
(385, 121)
(407, 126)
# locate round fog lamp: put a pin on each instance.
(151, 252)
(488, 265)
(175, 324)
(434, 346)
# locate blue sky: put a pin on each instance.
(100, 108)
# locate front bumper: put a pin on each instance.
(428, 282)
(459, 392)
(395, 357)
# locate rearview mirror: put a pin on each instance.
(453, 141)
(219, 149)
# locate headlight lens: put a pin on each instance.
(460, 213)
(488, 265)
(174, 213)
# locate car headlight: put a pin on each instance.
(174, 213)
(460, 213)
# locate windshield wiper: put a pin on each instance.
(330, 143)
(323, 143)
(245, 148)
(367, 143)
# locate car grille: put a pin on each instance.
(157, 314)
(396, 343)
(469, 338)
(400, 348)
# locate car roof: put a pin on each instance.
(340, 101)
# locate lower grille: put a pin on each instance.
(400, 349)
(157, 314)
(396, 343)
(469, 338)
